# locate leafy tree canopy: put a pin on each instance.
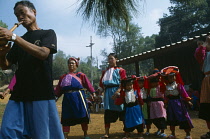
(105, 12)
(126, 44)
(185, 20)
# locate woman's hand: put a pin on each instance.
(190, 103)
(92, 97)
(4, 94)
(1, 95)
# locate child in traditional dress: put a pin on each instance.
(175, 96)
(202, 55)
(156, 104)
(133, 112)
(145, 107)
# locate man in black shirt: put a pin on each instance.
(31, 111)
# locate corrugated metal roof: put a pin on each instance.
(158, 51)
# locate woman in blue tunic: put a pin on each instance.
(74, 105)
(110, 85)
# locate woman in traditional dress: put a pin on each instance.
(110, 85)
(74, 105)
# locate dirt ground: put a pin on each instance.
(96, 127)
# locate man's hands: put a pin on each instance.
(4, 64)
(5, 34)
(5, 49)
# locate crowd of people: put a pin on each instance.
(159, 98)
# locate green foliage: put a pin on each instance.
(60, 65)
(105, 12)
(185, 20)
(85, 67)
(104, 62)
(2, 24)
(130, 43)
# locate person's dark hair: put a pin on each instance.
(113, 54)
(26, 4)
(126, 81)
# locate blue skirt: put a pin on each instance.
(35, 119)
(133, 116)
(73, 109)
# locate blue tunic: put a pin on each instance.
(111, 82)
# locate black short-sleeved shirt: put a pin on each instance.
(33, 76)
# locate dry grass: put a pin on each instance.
(96, 127)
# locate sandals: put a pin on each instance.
(171, 137)
(104, 137)
(157, 133)
(162, 135)
(188, 137)
(147, 133)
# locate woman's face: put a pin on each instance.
(112, 60)
(72, 65)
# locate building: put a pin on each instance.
(180, 54)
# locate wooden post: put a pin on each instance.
(137, 68)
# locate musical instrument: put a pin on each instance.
(3, 42)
